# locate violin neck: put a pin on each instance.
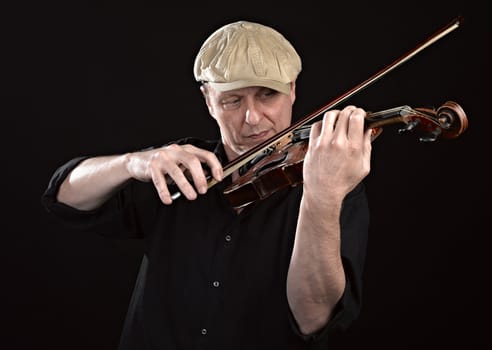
(388, 116)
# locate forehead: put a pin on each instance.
(250, 90)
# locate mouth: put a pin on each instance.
(258, 136)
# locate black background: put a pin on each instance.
(111, 78)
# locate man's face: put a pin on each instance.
(249, 116)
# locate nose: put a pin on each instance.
(253, 115)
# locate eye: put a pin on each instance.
(265, 93)
(231, 103)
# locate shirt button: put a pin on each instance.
(204, 331)
(216, 283)
(228, 238)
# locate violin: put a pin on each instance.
(280, 167)
(277, 162)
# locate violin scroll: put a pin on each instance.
(448, 121)
(452, 119)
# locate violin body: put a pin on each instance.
(280, 169)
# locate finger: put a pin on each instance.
(368, 137)
(179, 178)
(192, 170)
(367, 150)
(179, 164)
(329, 122)
(193, 159)
(211, 160)
(168, 162)
(161, 186)
(356, 125)
(341, 127)
(315, 130)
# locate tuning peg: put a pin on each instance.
(432, 136)
(409, 126)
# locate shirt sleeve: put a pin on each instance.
(354, 223)
(117, 217)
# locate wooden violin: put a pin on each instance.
(277, 162)
(280, 167)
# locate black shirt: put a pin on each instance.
(213, 279)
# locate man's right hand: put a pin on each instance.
(179, 164)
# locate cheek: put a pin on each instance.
(234, 127)
(228, 125)
(284, 120)
(287, 121)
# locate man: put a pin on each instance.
(282, 273)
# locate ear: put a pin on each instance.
(293, 91)
(206, 96)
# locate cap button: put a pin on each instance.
(246, 25)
